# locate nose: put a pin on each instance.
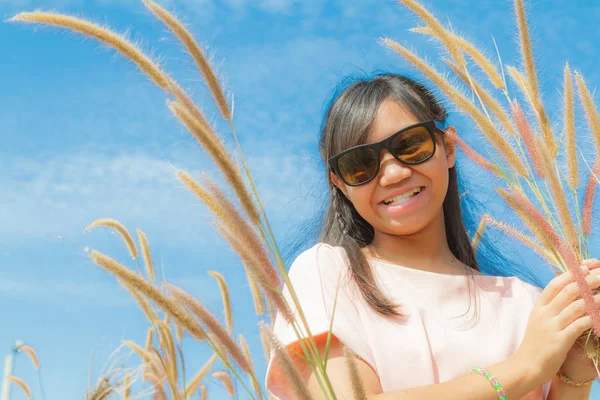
(392, 171)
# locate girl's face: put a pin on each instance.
(406, 216)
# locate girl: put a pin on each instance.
(394, 244)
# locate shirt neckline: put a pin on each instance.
(442, 274)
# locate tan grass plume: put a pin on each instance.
(588, 202)
(217, 151)
(141, 285)
(226, 300)
(101, 34)
(119, 227)
(32, 355)
(477, 236)
(212, 325)
(569, 128)
(484, 63)
(21, 383)
(196, 52)
(291, 371)
(146, 254)
(485, 126)
(199, 377)
(473, 155)
(528, 60)
(590, 109)
(358, 388)
(226, 380)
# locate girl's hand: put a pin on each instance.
(555, 323)
(577, 365)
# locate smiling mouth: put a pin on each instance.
(403, 198)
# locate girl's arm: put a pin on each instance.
(561, 391)
(515, 375)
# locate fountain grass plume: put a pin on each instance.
(226, 380)
(192, 386)
(209, 140)
(212, 325)
(482, 61)
(485, 97)
(196, 52)
(140, 284)
(146, 254)
(484, 124)
(588, 202)
(104, 35)
(119, 227)
(226, 300)
(569, 129)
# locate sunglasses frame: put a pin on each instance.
(431, 125)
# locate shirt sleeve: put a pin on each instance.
(316, 275)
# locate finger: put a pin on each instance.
(573, 311)
(577, 327)
(557, 284)
(592, 263)
(569, 294)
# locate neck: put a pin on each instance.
(426, 249)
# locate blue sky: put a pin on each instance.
(86, 135)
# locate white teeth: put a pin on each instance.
(401, 199)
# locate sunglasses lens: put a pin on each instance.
(358, 166)
(414, 145)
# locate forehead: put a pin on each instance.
(391, 117)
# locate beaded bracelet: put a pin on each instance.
(568, 380)
(488, 375)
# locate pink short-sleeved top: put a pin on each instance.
(438, 342)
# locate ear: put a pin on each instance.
(450, 146)
(338, 183)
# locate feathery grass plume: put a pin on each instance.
(273, 294)
(196, 52)
(257, 299)
(157, 384)
(171, 357)
(590, 110)
(21, 383)
(437, 28)
(146, 254)
(149, 337)
(179, 333)
(144, 305)
(529, 139)
(225, 297)
(358, 388)
(523, 238)
(473, 155)
(485, 97)
(119, 227)
(199, 377)
(32, 355)
(537, 224)
(588, 202)
(212, 324)
(127, 394)
(478, 234)
(103, 35)
(484, 63)
(203, 393)
(209, 140)
(569, 115)
(289, 368)
(266, 343)
(485, 126)
(248, 355)
(226, 379)
(145, 355)
(225, 212)
(527, 53)
(246, 232)
(141, 285)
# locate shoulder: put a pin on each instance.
(530, 290)
(320, 259)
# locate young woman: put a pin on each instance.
(394, 244)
